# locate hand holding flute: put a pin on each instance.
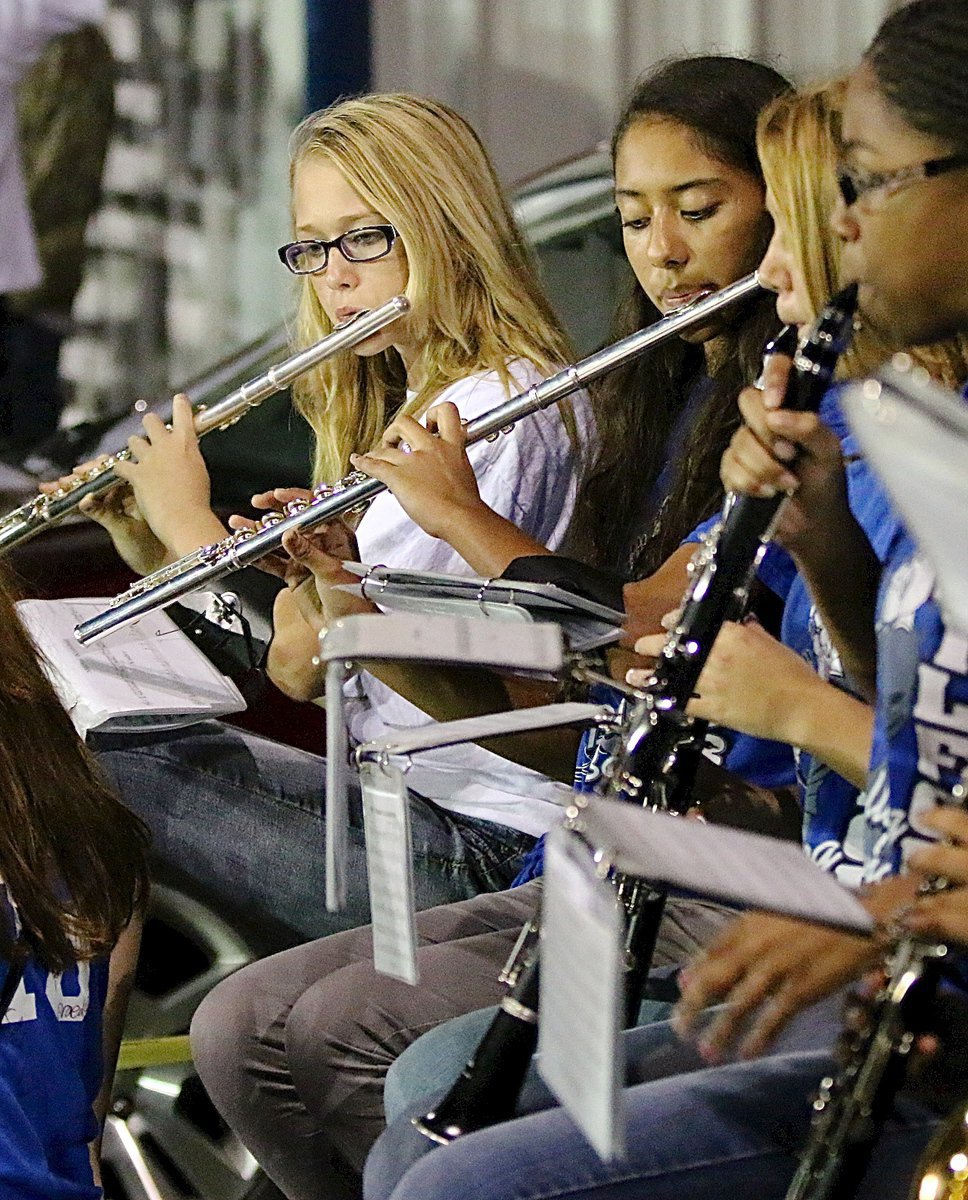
(117, 510)
(54, 502)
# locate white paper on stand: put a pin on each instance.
(582, 979)
(389, 864)
(732, 865)
(914, 433)
(448, 639)
(149, 676)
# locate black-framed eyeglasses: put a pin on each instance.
(854, 183)
(357, 245)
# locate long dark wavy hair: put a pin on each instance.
(73, 858)
(718, 99)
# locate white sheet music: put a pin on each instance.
(336, 806)
(389, 864)
(148, 676)
(915, 435)
(582, 978)
(457, 640)
(742, 868)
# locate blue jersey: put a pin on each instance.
(833, 808)
(921, 724)
(833, 816)
(50, 1075)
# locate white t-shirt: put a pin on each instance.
(26, 26)
(530, 476)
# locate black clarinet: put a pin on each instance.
(654, 767)
(851, 1108)
(722, 576)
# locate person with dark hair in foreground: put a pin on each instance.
(73, 887)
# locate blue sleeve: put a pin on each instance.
(776, 570)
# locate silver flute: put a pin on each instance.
(47, 508)
(210, 564)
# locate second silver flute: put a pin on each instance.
(46, 508)
(211, 563)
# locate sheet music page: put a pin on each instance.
(582, 979)
(747, 869)
(389, 864)
(915, 435)
(336, 808)
(442, 639)
(146, 676)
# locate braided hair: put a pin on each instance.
(920, 61)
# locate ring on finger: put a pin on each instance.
(405, 447)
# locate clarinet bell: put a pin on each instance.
(942, 1171)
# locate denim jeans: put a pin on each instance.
(425, 1068)
(241, 817)
(693, 1131)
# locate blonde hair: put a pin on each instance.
(797, 139)
(476, 303)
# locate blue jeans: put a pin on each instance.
(241, 816)
(425, 1068)
(693, 1131)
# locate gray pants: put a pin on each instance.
(294, 1050)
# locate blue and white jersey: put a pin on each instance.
(921, 727)
(833, 808)
(921, 724)
(50, 1075)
